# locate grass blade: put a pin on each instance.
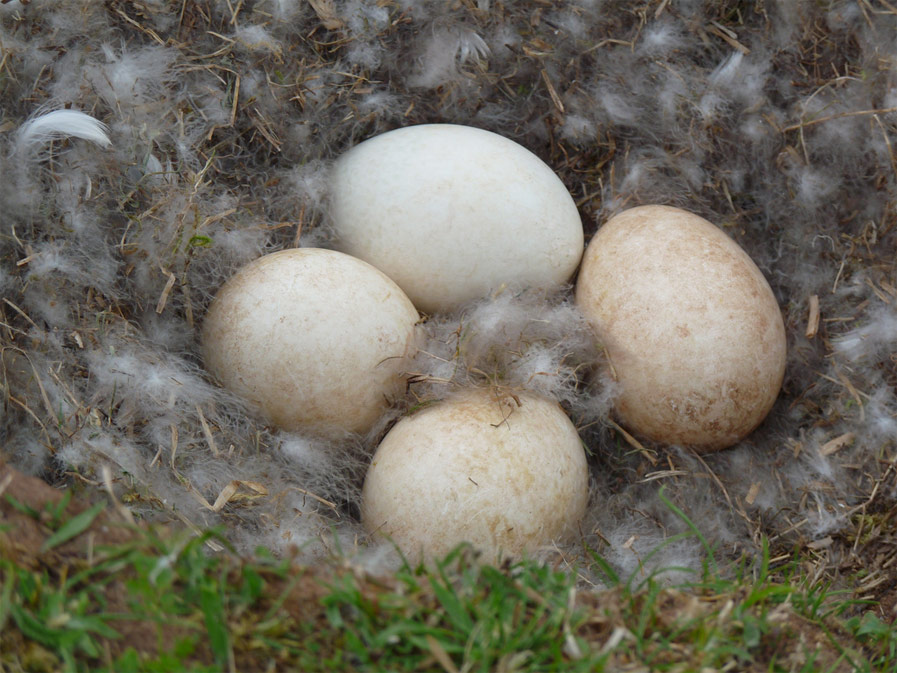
(19, 506)
(8, 582)
(451, 603)
(711, 559)
(216, 623)
(605, 567)
(73, 527)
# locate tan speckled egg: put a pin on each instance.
(314, 338)
(480, 469)
(692, 330)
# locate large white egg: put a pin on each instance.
(691, 327)
(314, 338)
(507, 474)
(453, 212)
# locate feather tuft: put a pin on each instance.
(62, 124)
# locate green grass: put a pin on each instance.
(461, 614)
(160, 602)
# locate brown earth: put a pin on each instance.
(22, 537)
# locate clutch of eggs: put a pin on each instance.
(451, 213)
(315, 338)
(691, 327)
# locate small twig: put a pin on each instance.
(727, 36)
(854, 393)
(7, 480)
(34, 416)
(634, 443)
(207, 431)
(149, 31)
(836, 444)
(331, 505)
(121, 509)
(813, 319)
(663, 474)
(21, 313)
(840, 115)
(887, 138)
(174, 443)
(163, 299)
(558, 103)
(715, 478)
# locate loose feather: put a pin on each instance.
(62, 124)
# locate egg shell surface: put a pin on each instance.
(453, 212)
(691, 327)
(478, 469)
(314, 338)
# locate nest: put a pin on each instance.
(775, 123)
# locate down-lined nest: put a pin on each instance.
(776, 121)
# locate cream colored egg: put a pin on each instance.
(314, 338)
(504, 476)
(453, 212)
(691, 327)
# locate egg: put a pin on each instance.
(313, 338)
(452, 213)
(692, 330)
(506, 474)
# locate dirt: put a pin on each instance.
(22, 537)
